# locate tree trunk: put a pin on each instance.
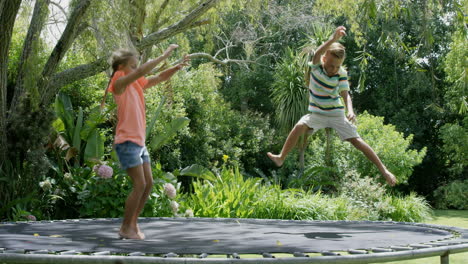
(35, 27)
(7, 20)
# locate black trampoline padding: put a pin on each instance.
(216, 236)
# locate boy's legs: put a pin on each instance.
(129, 227)
(298, 130)
(360, 144)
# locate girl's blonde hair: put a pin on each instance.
(337, 50)
(118, 57)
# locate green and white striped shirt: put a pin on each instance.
(324, 91)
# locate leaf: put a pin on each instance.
(169, 131)
(94, 146)
(198, 171)
(77, 131)
(64, 110)
(155, 117)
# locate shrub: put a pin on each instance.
(452, 195)
(390, 145)
(214, 129)
(230, 195)
(104, 197)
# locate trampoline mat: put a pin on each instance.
(215, 236)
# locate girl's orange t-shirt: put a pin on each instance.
(131, 113)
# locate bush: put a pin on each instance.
(214, 129)
(390, 145)
(452, 195)
(230, 195)
(103, 198)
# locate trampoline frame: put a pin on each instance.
(443, 248)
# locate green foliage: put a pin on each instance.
(99, 197)
(81, 139)
(455, 146)
(456, 67)
(452, 195)
(233, 195)
(411, 208)
(214, 129)
(230, 195)
(289, 95)
(368, 199)
(390, 145)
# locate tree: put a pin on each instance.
(51, 80)
(26, 96)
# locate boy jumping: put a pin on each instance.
(328, 83)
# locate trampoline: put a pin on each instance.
(227, 240)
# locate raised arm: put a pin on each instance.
(167, 74)
(337, 35)
(121, 84)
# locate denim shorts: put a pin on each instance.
(131, 154)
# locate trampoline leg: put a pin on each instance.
(444, 259)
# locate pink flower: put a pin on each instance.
(103, 171)
(31, 218)
(170, 190)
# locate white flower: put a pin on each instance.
(174, 206)
(170, 190)
(188, 213)
(45, 185)
(68, 176)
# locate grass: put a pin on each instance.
(458, 218)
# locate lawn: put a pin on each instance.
(458, 218)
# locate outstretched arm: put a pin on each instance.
(337, 35)
(167, 74)
(122, 83)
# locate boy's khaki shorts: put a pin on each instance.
(342, 126)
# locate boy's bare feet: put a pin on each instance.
(390, 178)
(276, 159)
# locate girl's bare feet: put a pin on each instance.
(390, 178)
(276, 159)
(129, 234)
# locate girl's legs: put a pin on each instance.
(148, 176)
(129, 228)
(360, 144)
(293, 137)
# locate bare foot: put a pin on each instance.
(141, 234)
(131, 235)
(390, 178)
(276, 159)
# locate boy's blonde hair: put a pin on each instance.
(337, 50)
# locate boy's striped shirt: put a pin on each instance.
(324, 91)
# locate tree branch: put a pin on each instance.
(84, 71)
(224, 62)
(182, 25)
(64, 43)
